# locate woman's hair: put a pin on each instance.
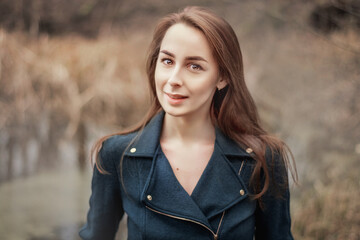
(233, 109)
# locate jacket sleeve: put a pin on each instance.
(106, 208)
(273, 218)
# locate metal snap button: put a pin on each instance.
(132, 150)
(149, 197)
(242, 192)
(249, 150)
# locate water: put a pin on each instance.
(50, 205)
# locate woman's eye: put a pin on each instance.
(167, 61)
(195, 67)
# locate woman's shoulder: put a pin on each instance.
(115, 145)
(274, 156)
(277, 164)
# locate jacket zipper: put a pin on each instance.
(241, 167)
(189, 220)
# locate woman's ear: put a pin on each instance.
(221, 84)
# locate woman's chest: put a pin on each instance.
(187, 164)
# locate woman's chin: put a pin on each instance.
(175, 112)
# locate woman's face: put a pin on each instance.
(186, 74)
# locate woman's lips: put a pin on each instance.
(175, 98)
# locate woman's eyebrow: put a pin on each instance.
(198, 58)
(167, 53)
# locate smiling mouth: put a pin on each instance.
(176, 96)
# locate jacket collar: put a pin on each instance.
(148, 140)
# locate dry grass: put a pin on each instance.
(65, 89)
(73, 76)
(328, 207)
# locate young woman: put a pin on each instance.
(199, 166)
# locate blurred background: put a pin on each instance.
(73, 71)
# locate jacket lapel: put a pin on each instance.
(219, 187)
(147, 140)
(161, 191)
(167, 195)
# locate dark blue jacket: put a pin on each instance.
(159, 208)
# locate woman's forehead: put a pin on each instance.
(181, 39)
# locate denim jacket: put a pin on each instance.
(159, 208)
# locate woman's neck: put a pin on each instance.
(188, 130)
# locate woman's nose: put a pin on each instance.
(175, 78)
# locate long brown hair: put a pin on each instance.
(233, 109)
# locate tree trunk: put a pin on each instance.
(10, 147)
(81, 139)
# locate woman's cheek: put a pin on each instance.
(160, 77)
